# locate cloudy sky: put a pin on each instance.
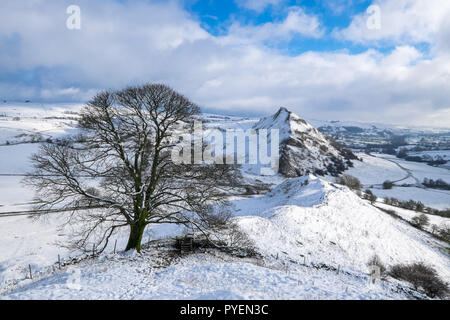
(382, 60)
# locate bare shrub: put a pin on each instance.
(392, 213)
(421, 276)
(368, 195)
(420, 221)
(234, 240)
(444, 232)
(388, 185)
(434, 229)
(392, 201)
(350, 181)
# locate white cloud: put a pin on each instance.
(297, 22)
(368, 86)
(442, 44)
(402, 21)
(120, 45)
(257, 5)
(337, 7)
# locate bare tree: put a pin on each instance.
(120, 169)
(349, 181)
(420, 221)
(369, 195)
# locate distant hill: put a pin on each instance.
(303, 149)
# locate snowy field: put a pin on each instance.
(409, 215)
(23, 123)
(373, 170)
(422, 170)
(314, 239)
(438, 199)
(433, 155)
(377, 168)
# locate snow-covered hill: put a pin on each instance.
(374, 169)
(309, 217)
(313, 238)
(303, 149)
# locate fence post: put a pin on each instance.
(115, 244)
(59, 262)
(31, 275)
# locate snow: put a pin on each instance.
(198, 277)
(27, 122)
(303, 149)
(304, 229)
(398, 129)
(295, 224)
(435, 154)
(373, 170)
(15, 159)
(377, 168)
(342, 230)
(290, 192)
(25, 241)
(409, 215)
(438, 199)
(288, 123)
(422, 171)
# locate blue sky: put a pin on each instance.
(322, 59)
(215, 15)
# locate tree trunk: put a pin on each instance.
(134, 241)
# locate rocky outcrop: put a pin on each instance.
(303, 149)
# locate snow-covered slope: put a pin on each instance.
(374, 169)
(303, 149)
(314, 238)
(202, 276)
(31, 122)
(329, 224)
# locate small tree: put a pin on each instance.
(122, 173)
(388, 185)
(420, 207)
(444, 232)
(350, 181)
(420, 221)
(434, 229)
(402, 153)
(421, 276)
(368, 195)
